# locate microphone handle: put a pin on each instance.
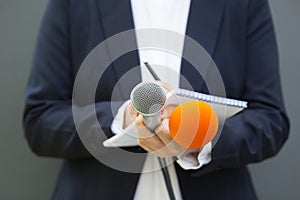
(152, 121)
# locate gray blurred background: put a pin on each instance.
(26, 176)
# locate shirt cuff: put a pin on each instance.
(189, 161)
(117, 124)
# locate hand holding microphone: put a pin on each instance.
(148, 99)
(192, 124)
(189, 126)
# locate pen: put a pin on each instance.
(150, 69)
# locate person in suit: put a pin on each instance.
(239, 36)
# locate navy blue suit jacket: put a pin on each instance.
(238, 34)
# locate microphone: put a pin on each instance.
(151, 114)
(148, 99)
(193, 124)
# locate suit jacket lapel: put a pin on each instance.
(203, 26)
(116, 17)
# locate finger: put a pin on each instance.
(146, 137)
(142, 130)
(153, 142)
(162, 131)
(167, 111)
(131, 109)
(139, 121)
(148, 140)
(164, 134)
(166, 86)
(158, 148)
(129, 116)
(146, 148)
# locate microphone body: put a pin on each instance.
(148, 99)
(152, 122)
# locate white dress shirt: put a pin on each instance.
(171, 15)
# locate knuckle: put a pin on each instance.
(141, 142)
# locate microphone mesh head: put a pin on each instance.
(148, 98)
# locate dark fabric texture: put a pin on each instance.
(238, 34)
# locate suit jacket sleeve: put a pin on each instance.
(260, 131)
(48, 120)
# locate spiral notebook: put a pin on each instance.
(224, 107)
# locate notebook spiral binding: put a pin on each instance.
(211, 99)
